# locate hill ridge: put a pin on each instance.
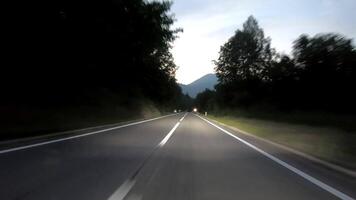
(208, 81)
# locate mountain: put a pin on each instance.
(206, 82)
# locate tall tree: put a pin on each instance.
(205, 100)
(328, 73)
(246, 55)
(242, 63)
(59, 49)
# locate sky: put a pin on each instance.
(208, 24)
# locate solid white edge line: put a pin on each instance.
(306, 176)
(81, 135)
(125, 188)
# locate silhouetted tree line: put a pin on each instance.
(319, 75)
(74, 51)
(205, 101)
(185, 102)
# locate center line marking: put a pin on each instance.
(165, 139)
(311, 179)
(183, 117)
(125, 188)
(79, 136)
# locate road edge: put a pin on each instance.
(23, 143)
(338, 193)
(327, 164)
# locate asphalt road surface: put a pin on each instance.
(179, 156)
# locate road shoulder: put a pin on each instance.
(59, 136)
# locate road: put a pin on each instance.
(179, 156)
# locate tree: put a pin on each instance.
(245, 56)
(243, 62)
(327, 63)
(60, 49)
(205, 101)
(283, 78)
(185, 102)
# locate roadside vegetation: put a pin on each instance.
(72, 64)
(21, 122)
(304, 100)
(328, 142)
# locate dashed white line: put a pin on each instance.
(183, 117)
(306, 176)
(125, 188)
(165, 139)
(78, 136)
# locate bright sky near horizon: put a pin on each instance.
(208, 24)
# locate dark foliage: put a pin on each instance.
(320, 75)
(65, 52)
(205, 100)
(246, 56)
(243, 64)
(185, 102)
(327, 71)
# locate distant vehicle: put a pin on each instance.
(195, 110)
(175, 111)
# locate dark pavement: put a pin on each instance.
(195, 161)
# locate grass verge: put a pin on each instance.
(328, 143)
(24, 122)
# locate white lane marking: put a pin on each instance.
(183, 117)
(125, 188)
(306, 176)
(165, 139)
(78, 136)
